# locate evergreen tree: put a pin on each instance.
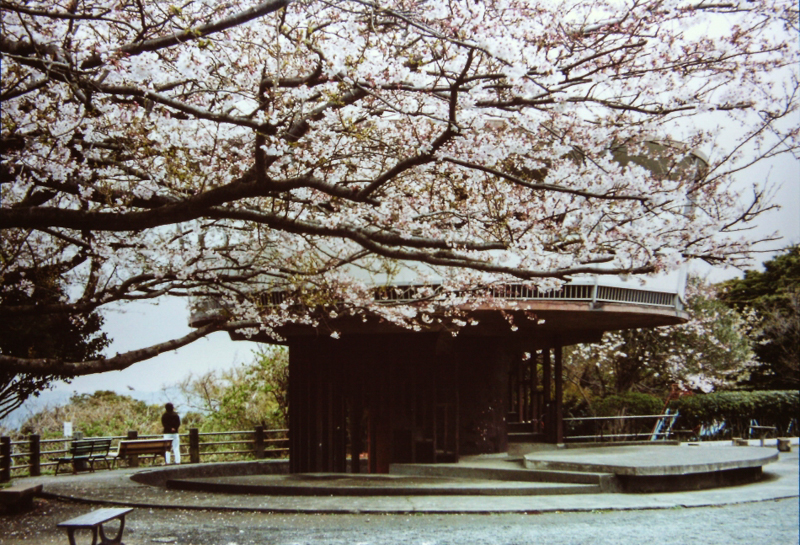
(774, 295)
(52, 335)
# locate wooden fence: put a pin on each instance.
(29, 456)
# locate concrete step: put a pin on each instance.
(519, 427)
(590, 482)
(519, 437)
(323, 485)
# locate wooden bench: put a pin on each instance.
(19, 497)
(80, 456)
(83, 453)
(94, 521)
(142, 447)
(100, 450)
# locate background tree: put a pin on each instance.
(52, 335)
(100, 414)
(249, 395)
(711, 351)
(313, 149)
(774, 294)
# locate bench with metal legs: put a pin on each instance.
(94, 521)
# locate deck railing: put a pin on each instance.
(29, 456)
(595, 293)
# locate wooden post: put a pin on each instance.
(194, 445)
(34, 458)
(5, 459)
(521, 391)
(133, 460)
(558, 417)
(546, 385)
(356, 412)
(258, 442)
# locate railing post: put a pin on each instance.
(194, 445)
(5, 459)
(133, 459)
(258, 442)
(34, 460)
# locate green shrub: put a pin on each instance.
(627, 404)
(737, 409)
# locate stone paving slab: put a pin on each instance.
(653, 460)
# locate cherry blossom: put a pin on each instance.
(289, 157)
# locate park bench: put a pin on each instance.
(142, 447)
(83, 453)
(94, 521)
(19, 497)
(100, 450)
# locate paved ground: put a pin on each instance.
(738, 524)
(756, 513)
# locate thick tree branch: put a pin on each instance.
(44, 366)
(194, 33)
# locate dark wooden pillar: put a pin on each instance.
(317, 419)
(558, 417)
(258, 442)
(133, 461)
(356, 409)
(5, 459)
(319, 404)
(194, 445)
(34, 460)
(521, 392)
(536, 397)
(546, 386)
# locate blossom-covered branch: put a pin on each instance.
(319, 149)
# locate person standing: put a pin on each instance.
(171, 422)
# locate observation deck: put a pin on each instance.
(578, 311)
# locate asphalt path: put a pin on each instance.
(745, 523)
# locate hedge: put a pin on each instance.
(737, 409)
(625, 404)
(629, 403)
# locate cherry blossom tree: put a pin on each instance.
(712, 350)
(311, 149)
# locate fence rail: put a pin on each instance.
(258, 443)
(613, 428)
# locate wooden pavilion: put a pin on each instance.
(403, 396)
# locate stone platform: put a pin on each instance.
(661, 468)
(145, 487)
(640, 468)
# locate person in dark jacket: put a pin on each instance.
(171, 422)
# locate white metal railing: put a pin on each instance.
(591, 293)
